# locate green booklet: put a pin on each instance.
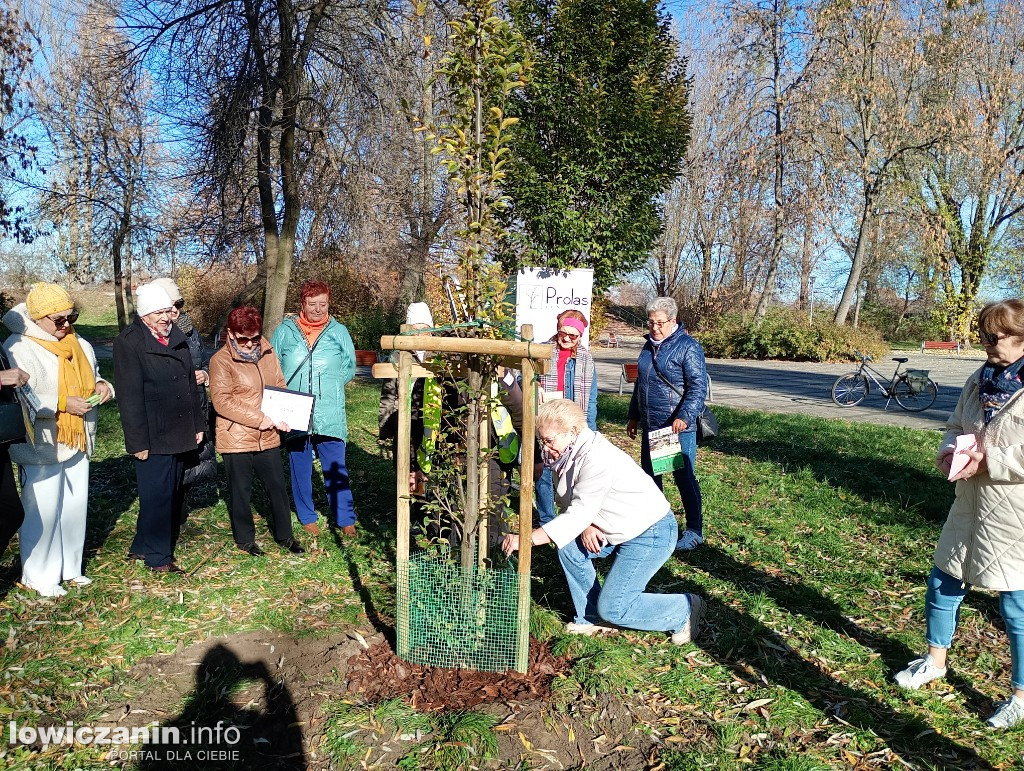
(666, 452)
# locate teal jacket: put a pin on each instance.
(323, 374)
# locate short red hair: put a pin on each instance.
(313, 288)
(246, 320)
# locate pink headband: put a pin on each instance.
(576, 324)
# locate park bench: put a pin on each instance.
(628, 374)
(940, 345)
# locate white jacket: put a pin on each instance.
(604, 487)
(982, 542)
(41, 365)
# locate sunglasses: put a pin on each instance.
(179, 304)
(568, 335)
(60, 321)
(247, 340)
(990, 338)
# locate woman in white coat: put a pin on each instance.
(55, 469)
(610, 506)
(982, 542)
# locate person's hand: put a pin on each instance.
(593, 539)
(977, 465)
(510, 544)
(631, 427)
(104, 391)
(282, 426)
(679, 425)
(13, 377)
(142, 454)
(266, 424)
(417, 479)
(76, 405)
(202, 378)
(944, 460)
(199, 437)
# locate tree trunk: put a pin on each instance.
(857, 266)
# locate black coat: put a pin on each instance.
(161, 405)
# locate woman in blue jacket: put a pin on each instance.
(317, 357)
(671, 383)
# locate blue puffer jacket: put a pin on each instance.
(324, 374)
(681, 360)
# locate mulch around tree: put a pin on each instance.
(378, 674)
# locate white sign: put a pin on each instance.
(543, 293)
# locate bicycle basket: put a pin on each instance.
(917, 379)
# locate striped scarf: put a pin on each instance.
(581, 378)
(997, 386)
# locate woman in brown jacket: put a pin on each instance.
(246, 437)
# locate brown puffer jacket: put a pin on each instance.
(236, 388)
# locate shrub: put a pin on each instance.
(367, 327)
(210, 294)
(786, 334)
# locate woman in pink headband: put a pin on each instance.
(571, 375)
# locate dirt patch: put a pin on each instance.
(272, 688)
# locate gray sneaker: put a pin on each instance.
(919, 672)
(692, 626)
(1010, 713)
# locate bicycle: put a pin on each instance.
(912, 389)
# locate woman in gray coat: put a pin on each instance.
(982, 542)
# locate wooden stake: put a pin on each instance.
(525, 509)
(403, 502)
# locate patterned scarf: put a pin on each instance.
(252, 356)
(75, 377)
(184, 322)
(581, 378)
(997, 386)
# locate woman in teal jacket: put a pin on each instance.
(317, 357)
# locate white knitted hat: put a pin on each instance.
(151, 297)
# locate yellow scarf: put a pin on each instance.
(74, 378)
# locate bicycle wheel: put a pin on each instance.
(914, 400)
(850, 390)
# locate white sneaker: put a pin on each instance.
(51, 591)
(919, 672)
(1010, 713)
(692, 626)
(588, 629)
(690, 539)
(81, 580)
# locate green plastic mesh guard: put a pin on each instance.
(460, 619)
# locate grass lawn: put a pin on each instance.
(820, 535)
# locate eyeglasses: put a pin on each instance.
(60, 321)
(179, 304)
(991, 338)
(247, 340)
(659, 324)
(548, 441)
(568, 335)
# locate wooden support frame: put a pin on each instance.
(530, 359)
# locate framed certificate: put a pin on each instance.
(292, 407)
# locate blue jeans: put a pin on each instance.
(686, 480)
(545, 489)
(331, 452)
(942, 612)
(622, 600)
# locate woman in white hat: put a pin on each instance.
(55, 467)
(163, 420)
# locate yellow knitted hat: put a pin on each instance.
(44, 299)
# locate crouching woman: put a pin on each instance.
(610, 507)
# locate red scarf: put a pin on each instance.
(311, 330)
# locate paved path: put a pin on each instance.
(806, 388)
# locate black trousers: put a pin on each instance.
(11, 512)
(160, 503)
(241, 467)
